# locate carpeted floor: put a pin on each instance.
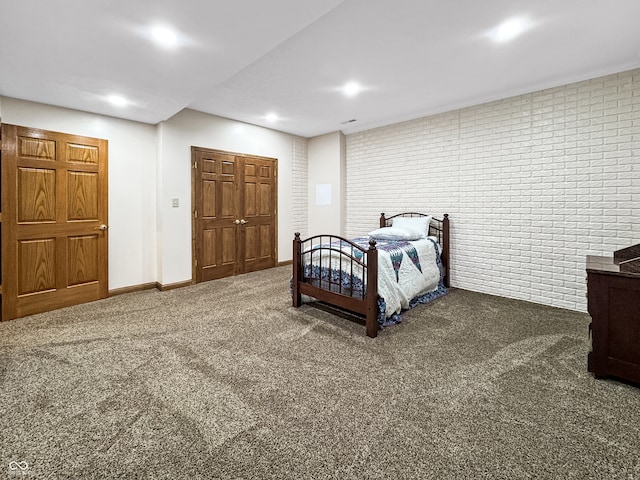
(225, 380)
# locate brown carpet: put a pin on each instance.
(226, 380)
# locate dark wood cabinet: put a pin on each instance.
(613, 290)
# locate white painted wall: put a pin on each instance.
(132, 182)
(533, 183)
(149, 240)
(190, 128)
(326, 160)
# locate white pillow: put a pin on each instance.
(395, 233)
(419, 224)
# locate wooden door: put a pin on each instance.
(258, 225)
(54, 220)
(234, 210)
(215, 214)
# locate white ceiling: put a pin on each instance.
(242, 59)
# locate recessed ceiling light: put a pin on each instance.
(117, 100)
(509, 29)
(351, 89)
(271, 117)
(164, 36)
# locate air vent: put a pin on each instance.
(349, 121)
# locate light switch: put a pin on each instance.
(175, 202)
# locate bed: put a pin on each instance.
(379, 275)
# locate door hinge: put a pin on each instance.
(196, 262)
(195, 214)
(195, 164)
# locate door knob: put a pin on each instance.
(243, 221)
(102, 227)
(237, 222)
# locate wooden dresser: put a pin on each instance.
(613, 290)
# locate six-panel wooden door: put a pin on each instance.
(234, 209)
(258, 206)
(54, 220)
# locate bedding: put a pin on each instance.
(395, 233)
(409, 272)
(346, 275)
(419, 224)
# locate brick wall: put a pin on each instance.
(300, 187)
(532, 183)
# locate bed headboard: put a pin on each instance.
(438, 227)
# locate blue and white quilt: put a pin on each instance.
(409, 273)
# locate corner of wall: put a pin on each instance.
(343, 183)
(300, 185)
(326, 159)
(159, 171)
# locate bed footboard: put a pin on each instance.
(337, 271)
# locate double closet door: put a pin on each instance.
(234, 213)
